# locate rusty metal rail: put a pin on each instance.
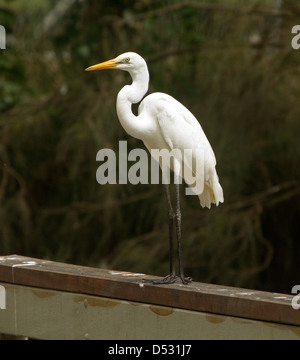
(53, 288)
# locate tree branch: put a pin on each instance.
(283, 191)
(253, 9)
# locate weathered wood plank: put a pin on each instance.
(208, 298)
(57, 315)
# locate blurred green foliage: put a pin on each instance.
(230, 62)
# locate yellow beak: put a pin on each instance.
(104, 65)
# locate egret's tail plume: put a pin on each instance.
(211, 195)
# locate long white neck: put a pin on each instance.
(132, 94)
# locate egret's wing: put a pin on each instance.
(169, 125)
(181, 130)
(180, 127)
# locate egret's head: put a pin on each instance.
(128, 61)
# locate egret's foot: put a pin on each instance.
(186, 280)
(169, 279)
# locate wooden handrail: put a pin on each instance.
(216, 299)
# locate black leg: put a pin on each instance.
(178, 235)
(171, 216)
(171, 278)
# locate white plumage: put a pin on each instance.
(164, 123)
(175, 127)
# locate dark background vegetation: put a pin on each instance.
(230, 62)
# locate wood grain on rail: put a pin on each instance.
(209, 298)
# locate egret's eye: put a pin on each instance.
(124, 61)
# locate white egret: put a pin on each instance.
(164, 123)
